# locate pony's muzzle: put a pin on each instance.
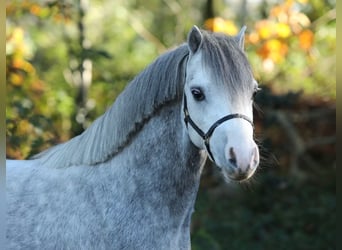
(241, 167)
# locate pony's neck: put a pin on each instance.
(163, 141)
(162, 161)
(160, 84)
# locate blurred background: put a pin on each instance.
(66, 61)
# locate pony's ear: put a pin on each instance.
(241, 37)
(195, 39)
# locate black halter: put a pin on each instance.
(206, 136)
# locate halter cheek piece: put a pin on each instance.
(206, 136)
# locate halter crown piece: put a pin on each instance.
(206, 136)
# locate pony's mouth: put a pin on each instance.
(231, 174)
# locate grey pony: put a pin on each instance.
(131, 179)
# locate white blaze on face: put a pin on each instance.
(232, 143)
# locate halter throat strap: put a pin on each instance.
(206, 136)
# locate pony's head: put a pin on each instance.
(218, 102)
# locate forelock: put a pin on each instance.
(227, 63)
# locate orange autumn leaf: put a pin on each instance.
(22, 64)
(276, 11)
(27, 67)
(18, 63)
(303, 1)
(219, 24)
(265, 29)
(283, 30)
(253, 37)
(38, 87)
(273, 49)
(13, 152)
(17, 36)
(16, 79)
(299, 21)
(283, 10)
(265, 33)
(306, 38)
(35, 9)
(24, 127)
(289, 3)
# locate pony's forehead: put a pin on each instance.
(223, 55)
(225, 64)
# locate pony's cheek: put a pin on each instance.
(195, 138)
(217, 144)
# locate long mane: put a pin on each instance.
(160, 83)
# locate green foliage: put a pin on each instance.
(290, 51)
(44, 55)
(291, 45)
(277, 213)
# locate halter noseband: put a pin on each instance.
(206, 136)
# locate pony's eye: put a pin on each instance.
(197, 93)
(255, 92)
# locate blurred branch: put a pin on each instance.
(173, 5)
(296, 142)
(176, 9)
(313, 114)
(146, 34)
(329, 16)
(243, 13)
(324, 140)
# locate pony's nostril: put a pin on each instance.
(232, 157)
(255, 157)
(233, 162)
